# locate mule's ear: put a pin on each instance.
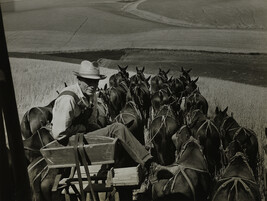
(143, 69)
(196, 80)
(188, 71)
(57, 92)
(125, 68)
(65, 84)
(129, 124)
(217, 110)
(160, 70)
(120, 67)
(225, 110)
(167, 71)
(137, 70)
(147, 79)
(105, 86)
(182, 69)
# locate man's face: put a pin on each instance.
(88, 86)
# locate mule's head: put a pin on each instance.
(194, 116)
(102, 94)
(232, 149)
(195, 101)
(141, 96)
(140, 73)
(123, 72)
(220, 116)
(180, 137)
(164, 74)
(176, 86)
(160, 98)
(190, 87)
(185, 77)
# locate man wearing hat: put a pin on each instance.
(70, 113)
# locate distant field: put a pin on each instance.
(36, 82)
(232, 14)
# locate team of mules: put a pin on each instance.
(197, 157)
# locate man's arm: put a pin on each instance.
(63, 114)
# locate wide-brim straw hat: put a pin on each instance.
(89, 70)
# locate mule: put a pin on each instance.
(116, 98)
(231, 130)
(185, 77)
(35, 118)
(227, 125)
(159, 98)
(103, 116)
(195, 101)
(161, 129)
(122, 75)
(158, 80)
(141, 96)
(188, 178)
(139, 76)
(129, 113)
(190, 87)
(207, 133)
(40, 176)
(176, 86)
(237, 182)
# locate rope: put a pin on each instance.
(163, 121)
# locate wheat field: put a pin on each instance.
(36, 83)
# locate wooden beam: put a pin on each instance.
(11, 122)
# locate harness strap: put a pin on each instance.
(121, 116)
(75, 147)
(210, 123)
(229, 127)
(235, 180)
(84, 162)
(70, 93)
(138, 112)
(189, 183)
(163, 119)
(181, 169)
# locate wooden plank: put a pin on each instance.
(129, 176)
(56, 182)
(58, 156)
